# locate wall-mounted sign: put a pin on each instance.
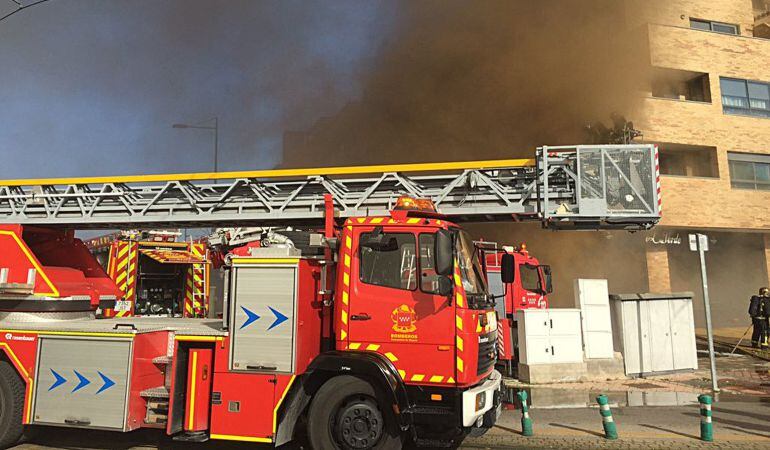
(666, 239)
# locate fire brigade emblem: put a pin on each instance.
(404, 319)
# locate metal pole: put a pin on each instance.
(216, 144)
(707, 307)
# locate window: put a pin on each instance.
(530, 277)
(495, 283)
(681, 85)
(745, 97)
(394, 265)
(749, 171)
(717, 27)
(688, 160)
(428, 277)
(471, 272)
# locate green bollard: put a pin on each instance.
(526, 422)
(706, 426)
(610, 429)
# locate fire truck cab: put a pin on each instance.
(530, 288)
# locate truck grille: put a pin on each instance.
(487, 352)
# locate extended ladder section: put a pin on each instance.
(611, 186)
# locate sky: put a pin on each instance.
(92, 87)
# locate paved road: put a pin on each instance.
(739, 425)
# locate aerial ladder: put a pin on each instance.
(580, 187)
(380, 329)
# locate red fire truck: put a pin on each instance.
(530, 288)
(380, 329)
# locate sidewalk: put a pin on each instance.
(744, 425)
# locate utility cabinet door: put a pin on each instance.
(262, 320)
(683, 335)
(82, 382)
(660, 336)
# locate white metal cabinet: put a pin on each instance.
(549, 336)
(655, 332)
(592, 297)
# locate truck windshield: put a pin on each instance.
(470, 266)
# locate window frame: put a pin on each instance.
(754, 160)
(539, 277)
(361, 259)
(419, 260)
(711, 24)
(748, 110)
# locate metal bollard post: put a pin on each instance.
(706, 426)
(526, 422)
(610, 429)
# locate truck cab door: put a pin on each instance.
(394, 308)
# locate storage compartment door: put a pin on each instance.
(82, 382)
(262, 318)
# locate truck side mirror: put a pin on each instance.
(548, 282)
(507, 268)
(444, 286)
(444, 253)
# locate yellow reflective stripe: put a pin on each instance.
(346, 279)
(418, 377)
(229, 437)
(199, 338)
(460, 343)
(436, 379)
(459, 323)
(373, 347)
(377, 220)
(460, 300)
(391, 356)
(344, 317)
(413, 220)
(450, 380)
(460, 364)
(343, 335)
(347, 260)
(278, 173)
(191, 422)
(458, 280)
(402, 373)
(348, 242)
(280, 401)
(345, 297)
(355, 346)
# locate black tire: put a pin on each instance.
(347, 406)
(11, 405)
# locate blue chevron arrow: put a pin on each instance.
(108, 383)
(59, 380)
(279, 318)
(83, 381)
(251, 317)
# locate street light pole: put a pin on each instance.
(214, 128)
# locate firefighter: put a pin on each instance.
(764, 315)
(759, 307)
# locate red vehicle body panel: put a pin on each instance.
(64, 266)
(145, 374)
(199, 374)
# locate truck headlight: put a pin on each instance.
(481, 401)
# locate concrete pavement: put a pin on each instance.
(737, 424)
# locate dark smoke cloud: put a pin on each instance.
(487, 79)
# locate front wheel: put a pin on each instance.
(11, 405)
(345, 415)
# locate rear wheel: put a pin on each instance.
(11, 405)
(345, 415)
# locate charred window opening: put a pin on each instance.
(681, 85)
(688, 160)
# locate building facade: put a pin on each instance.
(708, 108)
